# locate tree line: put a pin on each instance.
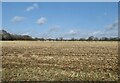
(4, 35)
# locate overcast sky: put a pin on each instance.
(64, 19)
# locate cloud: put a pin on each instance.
(27, 33)
(54, 28)
(18, 19)
(96, 33)
(112, 26)
(110, 30)
(73, 32)
(41, 20)
(52, 31)
(104, 33)
(34, 6)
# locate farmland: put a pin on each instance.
(59, 60)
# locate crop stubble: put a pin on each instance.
(59, 60)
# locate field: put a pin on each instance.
(59, 61)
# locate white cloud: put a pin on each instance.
(34, 6)
(72, 32)
(18, 19)
(52, 32)
(54, 28)
(97, 33)
(110, 30)
(41, 20)
(113, 26)
(27, 33)
(103, 33)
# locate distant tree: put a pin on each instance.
(56, 39)
(49, 39)
(82, 39)
(72, 39)
(61, 39)
(5, 35)
(116, 38)
(36, 38)
(104, 39)
(41, 39)
(26, 37)
(90, 38)
(96, 39)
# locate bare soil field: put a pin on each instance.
(59, 61)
